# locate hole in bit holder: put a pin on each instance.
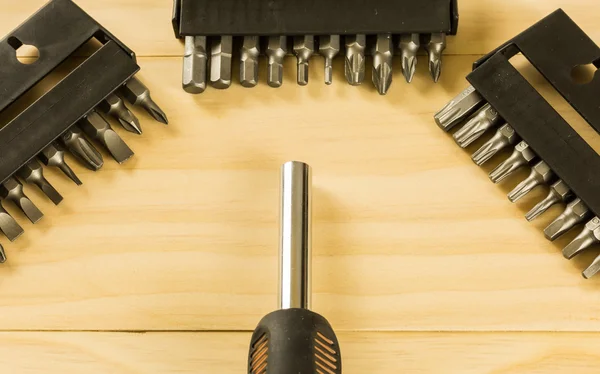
(554, 46)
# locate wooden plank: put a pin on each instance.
(408, 233)
(144, 25)
(384, 353)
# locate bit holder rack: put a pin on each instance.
(555, 45)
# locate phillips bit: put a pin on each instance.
(8, 225)
(33, 173)
(53, 155)
(137, 94)
(195, 61)
(304, 47)
(521, 156)
(383, 53)
(588, 237)
(435, 47)
(276, 51)
(409, 46)
(82, 149)
(220, 62)
(98, 129)
(559, 192)
(249, 61)
(12, 190)
(355, 59)
(329, 47)
(504, 137)
(593, 269)
(2, 255)
(486, 118)
(540, 174)
(458, 109)
(575, 213)
(115, 107)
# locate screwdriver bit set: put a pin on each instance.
(65, 116)
(216, 31)
(500, 99)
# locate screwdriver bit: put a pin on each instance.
(220, 62)
(304, 47)
(138, 94)
(329, 47)
(520, 157)
(195, 60)
(486, 118)
(33, 173)
(12, 190)
(409, 46)
(458, 109)
(2, 255)
(587, 238)
(9, 226)
(249, 61)
(559, 192)
(355, 59)
(98, 129)
(114, 106)
(383, 53)
(593, 269)
(504, 137)
(53, 155)
(82, 149)
(540, 175)
(575, 213)
(276, 51)
(435, 47)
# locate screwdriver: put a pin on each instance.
(294, 339)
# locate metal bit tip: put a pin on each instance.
(276, 51)
(589, 236)
(593, 269)
(458, 109)
(521, 156)
(304, 47)
(435, 47)
(329, 47)
(540, 174)
(575, 213)
(195, 61)
(100, 130)
(355, 59)
(383, 53)
(53, 155)
(249, 61)
(486, 118)
(220, 62)
(12, 190)
(137, 94)
(114, 106)
(2, 255)
(559, 192)
(504, 137)
(82, 149)
(409, 46)
(33, 173)
(9, 226)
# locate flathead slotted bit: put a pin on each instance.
(383, 54)
(559, 193)
(435, 47)
(575, 213)
(276, 51)
(520, 157)
(138, 94)
(354, 66)
(195, 62)
(541, 174)
(593, 269)
(458, 109)
(220, 62)
(12, 190)
(33, 173)
(53, 155)
(304, 47)
(100, 130)
(485, 119)
(82, 149)
(409, 46)
(249, 61)
(589, 236)
(329, 47)
(505, 136)
(8, 225)
(114, 106)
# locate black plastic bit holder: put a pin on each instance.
(555, 45)
(56, 30)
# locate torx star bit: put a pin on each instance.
(138, 94)
(53, 155)
(114, 106)
(9, 226)
(540, 174)
(409, 46)
(195, 62)
(486, 118)
(329, 47)
(355, 59)
(575, 213)
(559, 192)
(304, 47)
(458, 109)
(435, 47)
(82, 149)
(12, 190)
(520, 157)
(100, 130)
(593, 269)
(249, 61)
(220, 62)
(504, 137)
(383, 54)
(276, 51)
(586, 239)
(33, 173)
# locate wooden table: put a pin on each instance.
(165, 264)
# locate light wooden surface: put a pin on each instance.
(421, 263)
